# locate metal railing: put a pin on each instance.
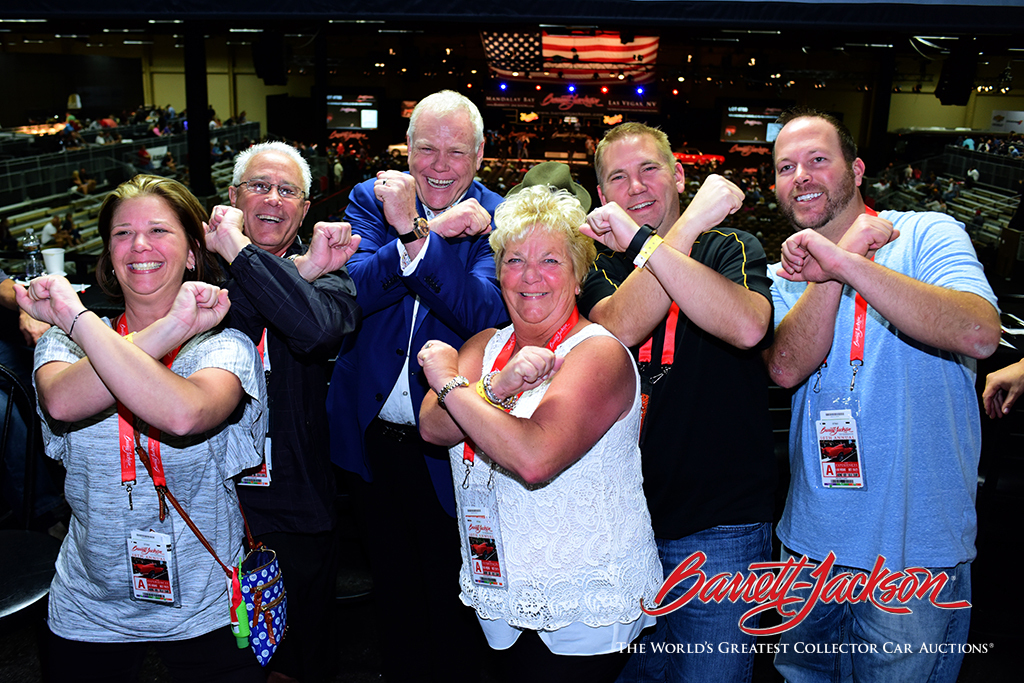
(35, 177)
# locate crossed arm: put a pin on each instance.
(114, 369)
(947, 319)
(713, 302)
(590, 390)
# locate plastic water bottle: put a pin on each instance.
(33, 257)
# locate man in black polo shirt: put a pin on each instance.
(695, 310)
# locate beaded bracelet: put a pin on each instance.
(485, 390)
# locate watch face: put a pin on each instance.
(421, 227)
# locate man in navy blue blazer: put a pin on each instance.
(424, 270)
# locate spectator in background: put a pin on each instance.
(80, 184)
(68, 235)
(972, 177)
(168, 165)
(143, 159)
(952, 190)
(50, 229)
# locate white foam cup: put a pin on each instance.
(53, 259)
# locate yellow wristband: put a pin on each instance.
(130, 337)
(652, 243)
(483, 393)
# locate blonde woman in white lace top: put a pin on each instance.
(542, 418)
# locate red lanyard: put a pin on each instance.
(468, 451)
(126, 431)
(860, 322)
(261, 347)
(668, 348)
(668, 345)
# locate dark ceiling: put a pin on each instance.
(912, 15)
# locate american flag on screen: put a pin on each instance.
(576, 56)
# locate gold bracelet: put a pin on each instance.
(454, 383)
(652, 243)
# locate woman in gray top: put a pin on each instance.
(158, 381)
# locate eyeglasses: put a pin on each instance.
(260, 187)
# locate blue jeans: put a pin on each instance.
(879, 647)
(695, 631)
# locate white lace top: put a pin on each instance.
(578, 550)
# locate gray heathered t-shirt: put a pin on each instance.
(89, 596)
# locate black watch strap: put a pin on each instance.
(420, 229)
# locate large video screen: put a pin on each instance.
(751, 120)
(352, 111)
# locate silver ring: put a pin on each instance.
(427, 345)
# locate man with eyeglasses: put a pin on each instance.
(297, 305)
(424, 270)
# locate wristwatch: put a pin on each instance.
(454, 383)
(420, 229)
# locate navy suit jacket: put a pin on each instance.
(459, 296)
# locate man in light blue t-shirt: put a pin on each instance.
(879, 320)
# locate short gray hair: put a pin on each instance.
(443, 103)
(245, 157)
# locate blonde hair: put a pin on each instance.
(541, 207)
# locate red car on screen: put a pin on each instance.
(693, 157)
